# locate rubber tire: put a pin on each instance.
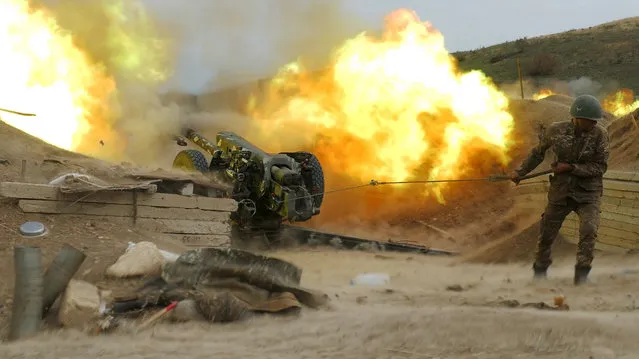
(317, 178)
(317, 173)
(191, 160)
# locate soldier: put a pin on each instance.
(581, 150)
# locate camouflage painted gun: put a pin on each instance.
(269, 188)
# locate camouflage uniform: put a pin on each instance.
(579, 190)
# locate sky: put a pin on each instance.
(223, 43)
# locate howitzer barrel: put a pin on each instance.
(232, 139)
(201, 141)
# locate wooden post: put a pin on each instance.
(26, 314)
(23, 171)
(521, 81)
(59, 273)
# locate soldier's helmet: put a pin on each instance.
(588, 107)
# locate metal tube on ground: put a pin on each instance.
(59, 273)
(26, 314)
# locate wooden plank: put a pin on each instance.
(202, 240)
(176, 226)
(166, 226)
(630, 203)
(573, 237)
(604, 231)
(621, 186)
(617, 217)
(621, 194)
(60, 207)
(216, 204)
(613, 246)
(628, 211)
(615, 185)
(620, 175)
(181, 213)
(608, 223)
(119, 210)
(48, 192)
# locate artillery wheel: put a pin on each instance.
(316, 185)
(191, 160)
(317, 180)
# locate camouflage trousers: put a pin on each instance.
(551, 221)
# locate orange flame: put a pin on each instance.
(44, 73)
(391, 108)
(61, 63)
(621, 102)
(543, 93)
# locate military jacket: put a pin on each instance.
(588, 152)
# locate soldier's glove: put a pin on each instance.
(561, 167)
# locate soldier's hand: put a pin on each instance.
(514, 176)
(561, 167)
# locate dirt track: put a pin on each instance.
(415, 317)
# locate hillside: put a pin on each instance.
(608, 54)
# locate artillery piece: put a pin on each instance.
(269, 188)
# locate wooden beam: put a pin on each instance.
(604, 234)
(166, 226)
(47, 192)
(176, 226)
(621, 229)
(119, 210)
(615, 188)
(202, 240)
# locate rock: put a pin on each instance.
(142, 259)
(79, 305)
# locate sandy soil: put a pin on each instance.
(414, 317)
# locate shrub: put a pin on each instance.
(543, 64)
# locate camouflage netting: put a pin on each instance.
(229, 284)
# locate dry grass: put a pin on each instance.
(607, 52)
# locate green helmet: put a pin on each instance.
(588, 107)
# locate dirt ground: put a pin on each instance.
(460, 307)
(419, 315)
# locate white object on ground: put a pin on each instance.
(169, 257)
(88, 179)
(139, 259)
(371, 279)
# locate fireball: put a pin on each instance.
(43, 72)
(621, 102)
(61, 63)
(390, 108)
(543, 93)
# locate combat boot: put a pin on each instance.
(539, 272)
(581, 274)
